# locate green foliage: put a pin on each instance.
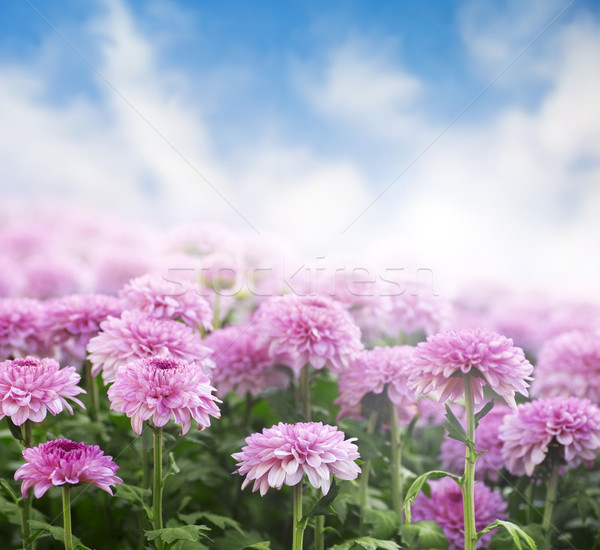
(517, 534)
(424, 534)
(420, 484)
(366, 543)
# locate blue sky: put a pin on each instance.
(463, 136)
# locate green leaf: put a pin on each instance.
(486, 409)
(384, 523)
(57, 533)
(420, 485)
(516, 533)
(134, 494)
(222, 522)
(368, 543)
(171, 534)
(264, 545)
(82, 547)
(424, 534)
(10, 510)
(323, 506)
(232, 540)
(14, 429)
(454, 427)
(9, 490)
(173, 468)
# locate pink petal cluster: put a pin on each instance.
(30, 387)
(283, 453)
(242, 363)
(22, 328)
(569, 424)
(445, 507)
(162, 388)
(489, 464)
(569, 365)
(136, 335)
(443, 362)
(62, 461)
(373, 371)
(164, 299)
(71, 321)
(305, 329)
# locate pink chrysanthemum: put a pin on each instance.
(21, 328)
(489, 464)
(569, 365)
(62, 461)
(569, 424)
(162, 388)
(30, 387)
(71, 321)
(445, 507)
(373, 371)
(443, 362)
(283, 453)
(242, 363)
(158, 297)
(136, 335)
(305, 329)
(53, 273)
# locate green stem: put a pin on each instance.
(551, 486)
(157, 487)
(66, 501)
(364, 478)
(396, 462)
(319, 533)
(467, 481)
(27, 503)
(529, 503)
(92, 389)
(298, 529)
(304, 391)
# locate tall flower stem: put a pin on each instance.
(467, 481)
(551, 486)
(396, 462)
(319, 533)
(92, 390)
(157, 487)
(66, 502)
(303, 394)
(364, 477)
(28, 502)
(298, 529)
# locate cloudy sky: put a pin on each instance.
(459, 136)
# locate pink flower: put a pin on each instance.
(62, 461)
(283, 453)
(158, 297)
(305, 329)
(373, 371)
(242, 363)
(569, 365)
(30, 387)
(443, 361)
(21, 328)
(162, 388)
(136, 335)
(445, 507)
(489, 464)
(569, 424)
(71, 321)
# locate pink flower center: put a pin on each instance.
(163, 363)
(27, 362)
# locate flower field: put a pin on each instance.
(181, 389)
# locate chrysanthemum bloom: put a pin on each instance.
(71, 321)
(62, 461)
(443, 362)
(373, 371)
(569, 365)
(165, 299)
(30, 387)
(305, 329)
(136, 335)
(489, 464)
(445, 507)
(162, 388)
(242, 363)
(569, 424)
(53, 273)
(283, 453)
(21, 328)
